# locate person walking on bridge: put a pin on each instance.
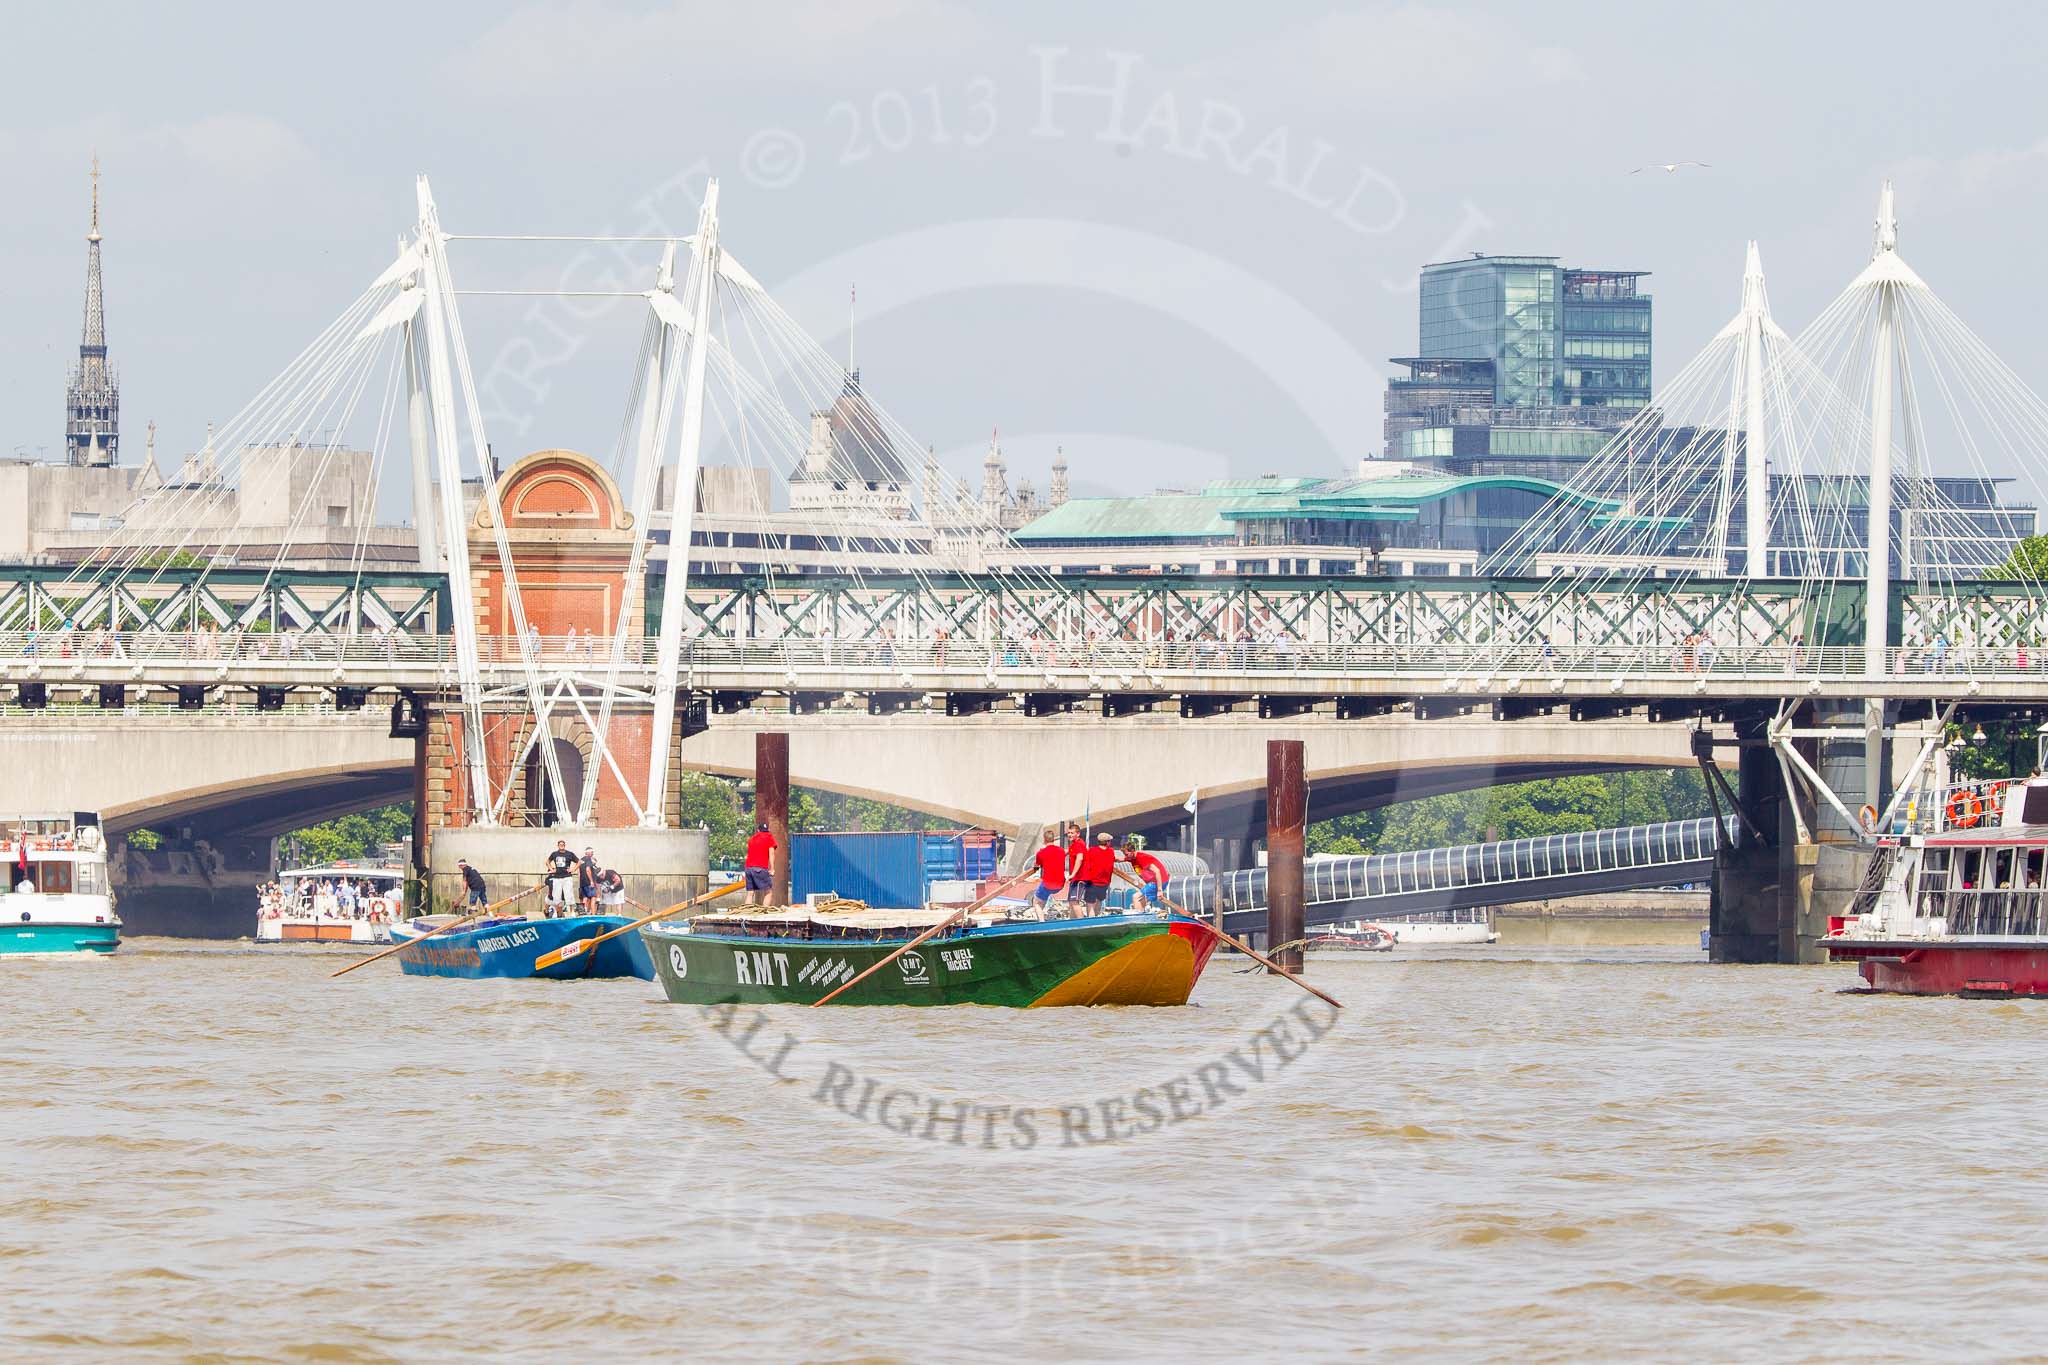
(1151, 872)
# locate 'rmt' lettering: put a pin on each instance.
(760, 969)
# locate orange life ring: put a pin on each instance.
(1964, 809)
(1867, 817)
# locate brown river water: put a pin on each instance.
(1498, 1154)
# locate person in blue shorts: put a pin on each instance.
(1150, 871)
(1052, 869)
(759, 870)
(472, 884)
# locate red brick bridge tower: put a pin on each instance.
(570, 537)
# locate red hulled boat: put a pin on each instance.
(1959, 911)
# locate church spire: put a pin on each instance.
(92, 406)
(95, 303)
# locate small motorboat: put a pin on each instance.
(1355, 938)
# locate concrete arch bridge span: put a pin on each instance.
(1135, 773)
(233, 781)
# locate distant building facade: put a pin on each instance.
(854, 506)
(852, 465)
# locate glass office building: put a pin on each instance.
(1520, 360)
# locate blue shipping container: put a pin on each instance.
(959, 855)
(941, 858)
(882, 869)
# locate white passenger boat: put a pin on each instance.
(1442, 928)
(1434, 929)
(58, 901)
(309, 906)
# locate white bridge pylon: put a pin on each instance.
(440, 383)
(719, 362)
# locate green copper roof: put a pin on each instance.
(1213, 512)
(1164, 516)
(1270, 483)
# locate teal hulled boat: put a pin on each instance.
(26, 937)
(55, 900)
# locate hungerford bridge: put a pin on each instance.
(546, 664)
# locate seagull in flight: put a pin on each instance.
(1668, 167)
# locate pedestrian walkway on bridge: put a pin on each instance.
(1388, 885)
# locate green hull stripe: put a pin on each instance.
(975, 969)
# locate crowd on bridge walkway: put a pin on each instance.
(233, 644)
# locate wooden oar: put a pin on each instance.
(1236, 943)
(948, 922)
(451, 924)
(575, 946)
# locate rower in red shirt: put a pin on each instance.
(759, 871)
(1151, 872)
(1098, 866)
(1052, 869)
(1076, 847)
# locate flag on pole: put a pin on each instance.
(1189, 804)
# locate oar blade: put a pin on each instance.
(578, 947)
(573, 948)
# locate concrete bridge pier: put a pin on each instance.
(199, 883)
(1772, 895)
(1747, 907)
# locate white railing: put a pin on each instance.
(1974, 804)
(1369, 876)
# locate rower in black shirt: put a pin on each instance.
(472, 884)
(561, 878)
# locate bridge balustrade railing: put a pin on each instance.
(1131, 665)
(294, 647)
(1133, 662)
(1109, 665)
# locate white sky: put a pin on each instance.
(1204, 279)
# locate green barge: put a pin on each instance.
(795, 957)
